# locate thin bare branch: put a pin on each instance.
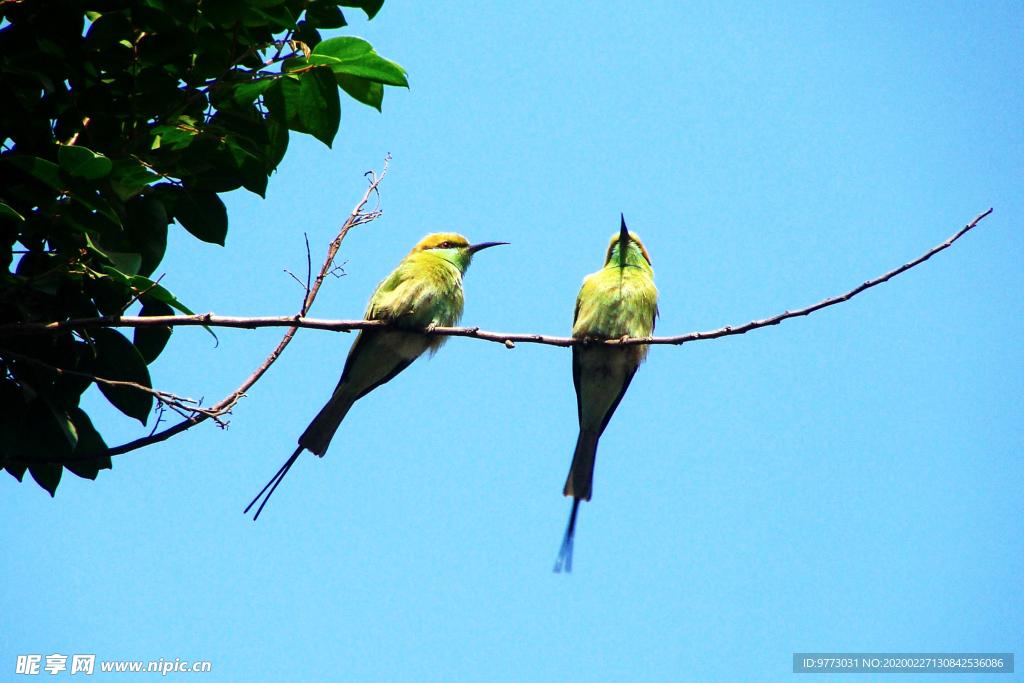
(357, 217)
(509, 339)
(300, 321)
(186, 407)
(305, 285)
(309, 262)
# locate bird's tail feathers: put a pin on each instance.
(564, 560)
(275, 480)
(320, 431)
(581, 474)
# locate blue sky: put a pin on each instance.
(846, 482)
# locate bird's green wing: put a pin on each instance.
(363, 339)
(390, 376)
(576, 360)
(618, 399)
(389, 284)
(576, 382)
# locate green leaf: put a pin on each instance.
(126, 262)
(355, 56)
(325, 14)
(8, 212)
(118, 359)
(278, 146)
(176, 137)
(150, 341)
(60, 418)
(83, 162)
(46, 171)
(293, 64)
(319, 108)
(202, 214)
(107, 30)
(254, 177)
(138, 283)
(371, 7)
(147, 231)
(362, 90)
(279, 15)
(154, 291)
(110, 294)
(91, 200)
(246, 93)
(16, 470)
(89, 442)
(123, 262)
(223, 12)
(43, 436)
(47, 476)
(282, 99)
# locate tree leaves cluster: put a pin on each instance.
(117, 119)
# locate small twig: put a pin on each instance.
(159, 418)
(225, 404)
(287, 39)
(337, 270)
(179, 404)
(301, 284)
(143, 293)
(169, 178)
(309, 262)
(309, 269)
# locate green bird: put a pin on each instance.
(616, 302)
(424, 291)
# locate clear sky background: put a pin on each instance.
(851, 481)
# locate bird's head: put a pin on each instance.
(634, 253)
(451, 247)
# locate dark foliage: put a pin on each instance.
(117, 119)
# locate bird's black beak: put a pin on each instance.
(473, 248)
(623, 242)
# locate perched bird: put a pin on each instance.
(616, 302)
(424, 291)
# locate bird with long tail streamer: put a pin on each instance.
(423, 292)
(618, 301)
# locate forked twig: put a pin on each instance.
(186, 407)
(357, 217)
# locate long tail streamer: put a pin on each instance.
(564, 560)
(275, 480)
